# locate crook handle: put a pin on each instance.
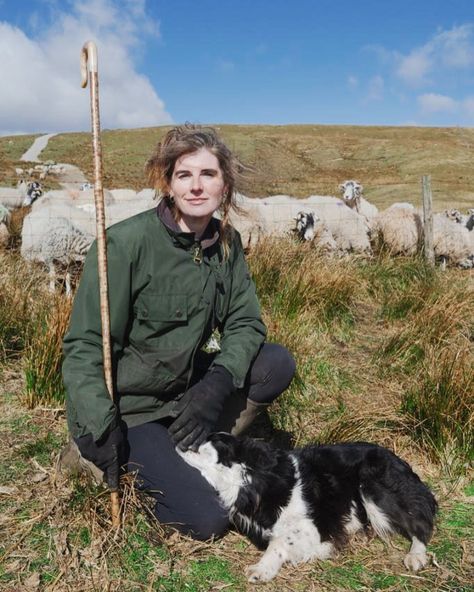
(88, 57)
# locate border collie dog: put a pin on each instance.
(304, 504)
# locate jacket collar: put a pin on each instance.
(187, 239)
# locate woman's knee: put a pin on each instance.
(209, 525)
(211, 528)
(272, 372)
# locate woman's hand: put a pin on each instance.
(200, 407)
(105, 453)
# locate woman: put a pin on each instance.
(176, 274)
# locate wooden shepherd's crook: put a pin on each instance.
(89, 72)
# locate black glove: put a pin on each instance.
(200, 407)
(105, 453)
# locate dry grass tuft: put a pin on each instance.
(294, 279)
(442, 318)
(21, 291)
(42, 357)
(440, 407)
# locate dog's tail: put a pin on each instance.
(395, 498)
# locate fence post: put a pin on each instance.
(428, 246)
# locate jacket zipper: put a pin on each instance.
(197, 255)
(197, 258)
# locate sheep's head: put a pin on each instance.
(454, 215)
(351, 191)
(304, 223)
(33, 191)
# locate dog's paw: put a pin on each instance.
(259, 573)
(415, 561)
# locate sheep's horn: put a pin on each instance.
(88, 57)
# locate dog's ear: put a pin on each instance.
(225, 445)
(247, 501)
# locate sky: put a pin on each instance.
(365, 62)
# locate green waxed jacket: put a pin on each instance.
(167, 293)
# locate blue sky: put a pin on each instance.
(253, 61)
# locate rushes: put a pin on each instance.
(32, 325)
(441, 406)
(20, 289)
(410, 329)
(442, 319)
(293, 279)
(43, 355)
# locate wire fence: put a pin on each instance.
(67, 217)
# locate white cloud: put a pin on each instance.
(40, 88)
(453, 49)
(414, 68)
(375, 89)
(434, 103)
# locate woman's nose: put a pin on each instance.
(196, 184)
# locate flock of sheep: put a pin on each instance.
(351, 224)
(60, 226)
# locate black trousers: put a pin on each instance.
(184, 499)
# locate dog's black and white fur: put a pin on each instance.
(304, 504)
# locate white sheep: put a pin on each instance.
(11, 197)
(309, 227)
(403, 205)
(71, 197)
(399, 229)
(116, 212)
(453, 243)
(49, 236)
(260, 217)
(248, 221)
(352, 196)
(349, 229)
(4, 223)
(275, 215)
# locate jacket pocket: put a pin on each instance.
(164, 308)
(149, 372)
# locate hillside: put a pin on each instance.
(297, 160)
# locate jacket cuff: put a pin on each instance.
(220, 379)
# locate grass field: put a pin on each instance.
(297, 160)
(384, 352)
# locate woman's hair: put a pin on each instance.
(186, 139)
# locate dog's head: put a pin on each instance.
(243, 470)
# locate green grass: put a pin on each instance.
(212, 571)
(455, 524)
(350, 576)
(383, 350)
(41, 449)
(331, 378)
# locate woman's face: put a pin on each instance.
(197, 185)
